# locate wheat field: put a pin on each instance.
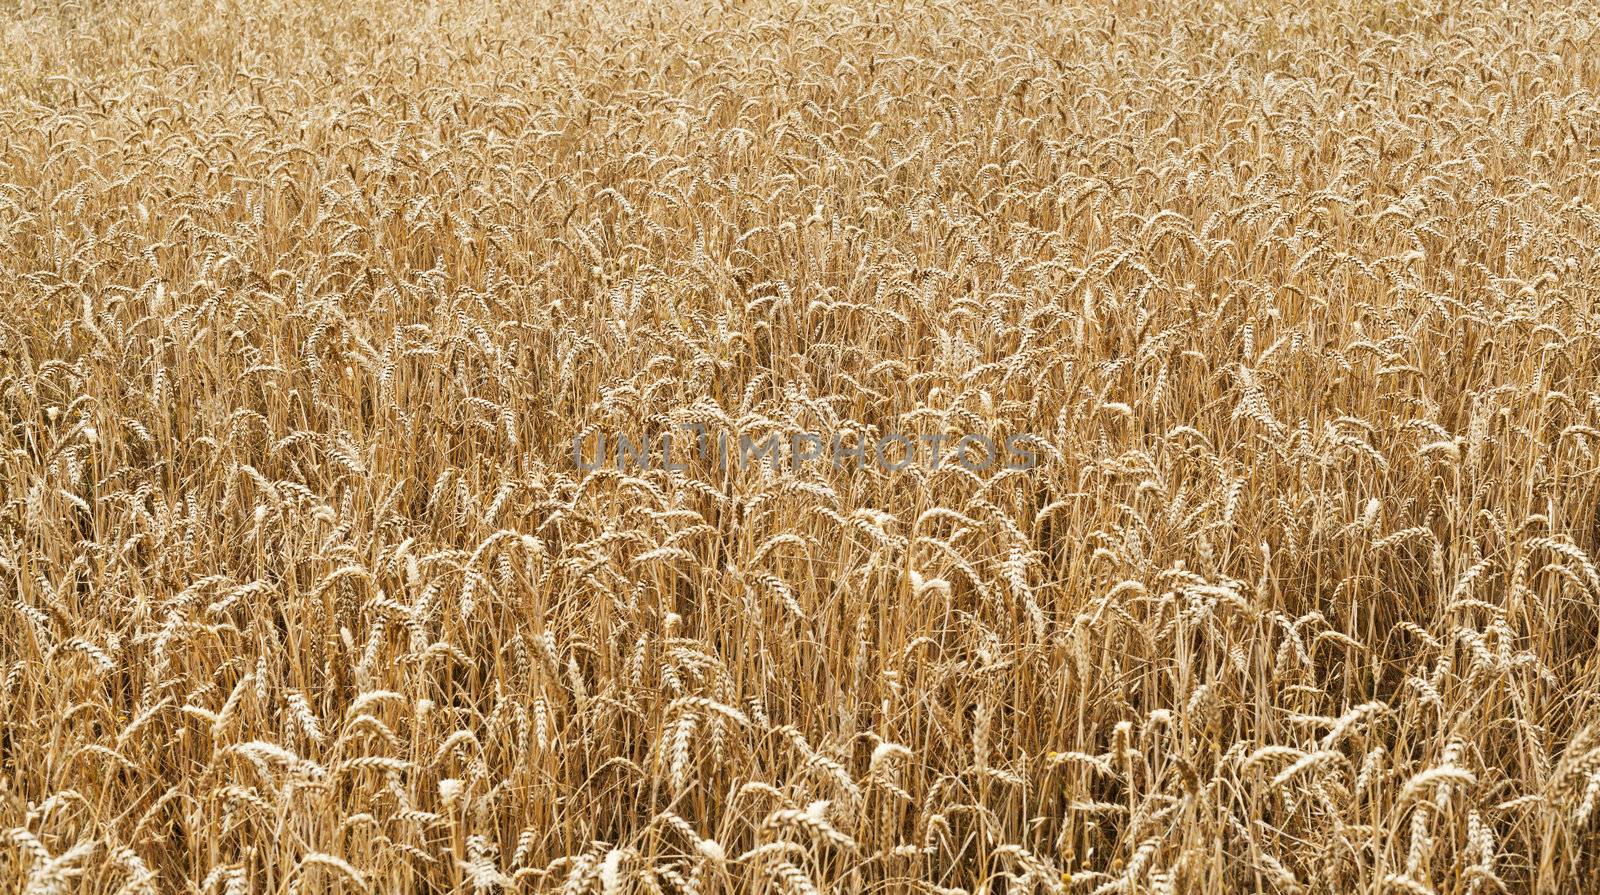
(306, 304)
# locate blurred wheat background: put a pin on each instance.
(305, 302)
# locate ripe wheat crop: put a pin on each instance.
(304, 304)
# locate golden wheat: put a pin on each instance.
(307, 304)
